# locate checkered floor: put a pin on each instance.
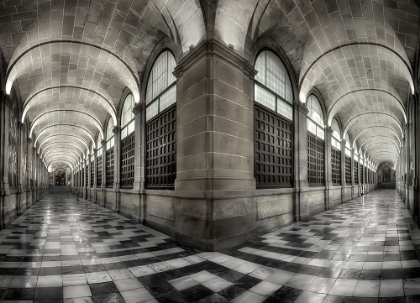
(62, 250)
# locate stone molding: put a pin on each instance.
(214, 49)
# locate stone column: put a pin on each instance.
(215, 154)
(343, 171)
(86, 170)
(352, 163)
(21, 153)
(4, 156)
(328, 168)
(28, 173)
(139, 175)
(89, 175)
(103, 185)
(301, 156)
(34, 186)
(95, 174)
(117, 166)
(359, 171)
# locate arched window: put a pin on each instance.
(315, 117)
(315, 125)
(127, 117)
(161, 123)
(110, 153)
(127, 143)
(348, 145)
(161, 88)
(273, 88)
(348, 159)
(335, 152)
(273, 97)
(98, 161)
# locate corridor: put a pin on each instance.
(63, 250)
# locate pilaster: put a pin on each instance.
(139, 175)
(301, 155)
(117, 166)
(95, 174)
(343, 171)
(328, 168)
(103, 185)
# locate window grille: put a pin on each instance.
(161, 150)
(127, 161)
(273, 149)
(92, 173)
(336, 165)
(110, 167)
(348, 170)
(99, 171)
(315, 160)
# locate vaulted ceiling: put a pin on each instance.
(72, 60)
(359, 55)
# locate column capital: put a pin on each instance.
(103, 142)
(139, 107)
(301, 107)
(116, 129)
(328, 130)
(214, 49)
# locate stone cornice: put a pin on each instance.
(214, 49)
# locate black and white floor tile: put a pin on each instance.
(63, 250)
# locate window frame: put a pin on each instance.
(280, 118)
(152, 120)
(157, 98)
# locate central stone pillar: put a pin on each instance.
(215, 154)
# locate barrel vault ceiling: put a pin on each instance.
(71, 60)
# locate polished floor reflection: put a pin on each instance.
(63, 250)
